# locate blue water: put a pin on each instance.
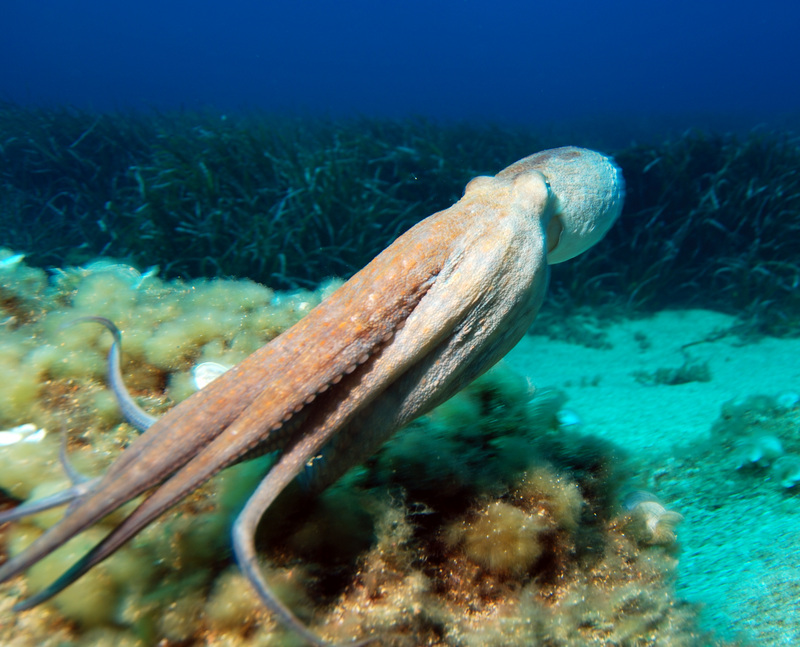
(632, 68)
(718, 64)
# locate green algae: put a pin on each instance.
(376, 553)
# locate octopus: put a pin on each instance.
(432, 312)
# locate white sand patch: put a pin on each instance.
(653, 417)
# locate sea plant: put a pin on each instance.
(710, 220)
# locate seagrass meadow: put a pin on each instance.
(709, 218)
(599, 486)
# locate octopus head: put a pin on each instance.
(589, 190)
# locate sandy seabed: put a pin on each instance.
(740, 539)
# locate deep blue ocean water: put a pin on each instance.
(679, 63)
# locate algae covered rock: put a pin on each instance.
(487, 522)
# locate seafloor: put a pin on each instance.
(495, 520)
(694, 440)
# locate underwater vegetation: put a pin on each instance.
(709, 219)
(487, 522)
(281, 201)
(714, 222)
